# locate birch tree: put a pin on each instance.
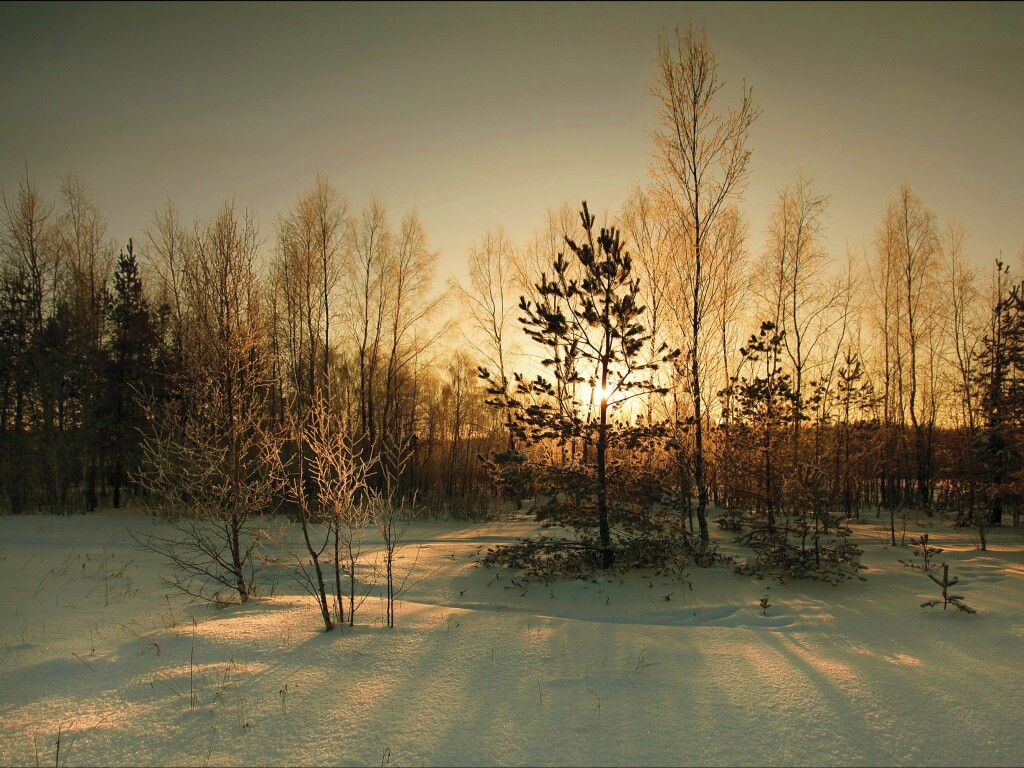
(700, 164)
(490, 307)
(908, 243)
(794, 287)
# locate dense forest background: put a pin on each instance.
(794, 378)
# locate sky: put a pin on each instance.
(487, 114)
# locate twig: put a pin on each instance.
(598, 698)
(191, 676)
(34, 555)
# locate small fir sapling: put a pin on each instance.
(947, 598)
(765, 605)
(924, 551)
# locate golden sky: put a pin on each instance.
(488, 114)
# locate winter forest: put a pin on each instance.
(278, 438)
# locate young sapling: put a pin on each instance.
(947, 598)
(925, 551)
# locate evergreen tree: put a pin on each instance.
(947, 598)
(132, 343)
(588, 320)
(16, 387)
(1001, 366)
(764, 404)
(852, 399)
(792, 526)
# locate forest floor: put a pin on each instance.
(101, 665)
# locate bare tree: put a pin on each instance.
(647, 228)
(88, 257)
(340, 475)
(87, 252)
(210, 464)
(491, 307)
(730, 248)
(165, 252)
(794, 286)
(213, 480)
(390, 514)
(371, 256)
(167, 248)
(964, 344)
(539, 251)
(908, 243)
(29, 248)
(295, 468)
(886, 304)
(312, 253)
(700, 163)
(966, 325)
(410, 309)
(390, 317)
(328, 211)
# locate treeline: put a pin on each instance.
(102, 349)
(800, 389)
(867, 382)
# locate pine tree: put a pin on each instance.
(947, 598)
(588, 320)
(1001, 366)
(764, 404)
(132, 342)
(925, 551)
(853, 396)
(792, 525)
(16, 387)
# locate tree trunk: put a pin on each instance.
(236, 559)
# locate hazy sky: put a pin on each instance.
(488, 114)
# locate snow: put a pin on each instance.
(479, 671)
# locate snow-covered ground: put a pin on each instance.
(633, 670)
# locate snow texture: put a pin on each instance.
(630, 670)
